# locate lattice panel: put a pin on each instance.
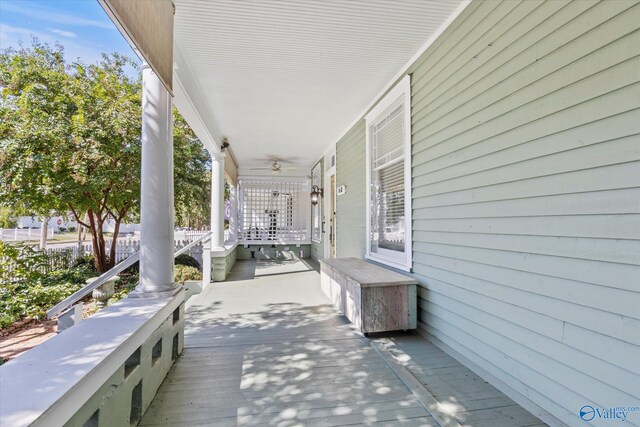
(274, 210)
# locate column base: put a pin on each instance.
(165, 293)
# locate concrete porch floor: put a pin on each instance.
(267, 348)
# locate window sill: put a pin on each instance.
(388, 263)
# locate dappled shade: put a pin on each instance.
(273, 350)
(268, 348)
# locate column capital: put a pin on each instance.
(218, 156)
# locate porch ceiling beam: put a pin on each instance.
(190, 101)
(148, 27)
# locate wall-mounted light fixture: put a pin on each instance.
(316, 193)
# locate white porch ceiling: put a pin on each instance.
(285, 79)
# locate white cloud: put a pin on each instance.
(63, 33)
(50, 15)
(8, 29)
(12, 37)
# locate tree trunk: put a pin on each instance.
(97, 239)
(80, 253)
(112, 252)
(44, 231)
(84, 229)
(102, 246)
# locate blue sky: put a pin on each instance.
(81, 26)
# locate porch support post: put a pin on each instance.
(233, 215)
(217, 201)
(156, 202)
(206, 263)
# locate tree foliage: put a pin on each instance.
(7, 217)
(70, 138)
(192, 176)
(70, 142)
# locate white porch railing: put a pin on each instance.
(64, 256)
(128, 262)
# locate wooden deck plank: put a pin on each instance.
(273, 351)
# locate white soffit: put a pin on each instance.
(285, 79)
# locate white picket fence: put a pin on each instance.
(22, 234)
(60, 257)
(64, 256)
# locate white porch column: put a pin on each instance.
(233, 217)
(217, 201)
(156, 202)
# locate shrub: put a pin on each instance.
(187, 260)
(87, 261)
(126, 284)
(134, 269)
(183, 273)
(32, 299)
(25, 291)
(19, 263)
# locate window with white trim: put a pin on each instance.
(389, 178)
(316, 211)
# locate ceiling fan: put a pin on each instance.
(275, 168)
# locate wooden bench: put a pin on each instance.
(373, 298)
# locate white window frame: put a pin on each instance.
(402, 90)
(316, 179)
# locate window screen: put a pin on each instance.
(387, 226)
(273, 210)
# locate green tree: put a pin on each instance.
(70, 142)
(70, 139)
(35, 116)
(192, 176)
(7, 218)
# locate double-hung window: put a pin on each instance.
(389, 178)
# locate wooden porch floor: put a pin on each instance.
(267, 348)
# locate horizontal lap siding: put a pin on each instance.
(526, 197)
(350, 207)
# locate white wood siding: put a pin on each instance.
(526, 198)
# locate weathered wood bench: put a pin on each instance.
(373, 298)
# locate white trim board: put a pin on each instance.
(399, 94)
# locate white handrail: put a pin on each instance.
(121, 266)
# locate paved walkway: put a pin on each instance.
(267, 348)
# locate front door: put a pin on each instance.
(332, 218)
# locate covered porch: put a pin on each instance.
(267, 347)
(507, 185)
